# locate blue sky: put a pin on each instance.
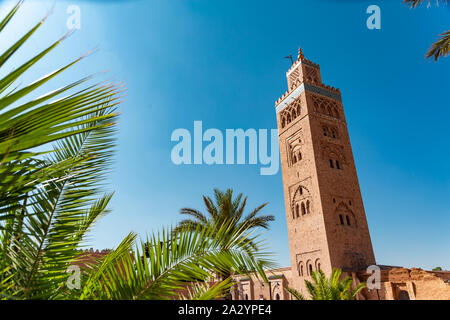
(221, 62)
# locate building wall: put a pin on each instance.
(409, 284)
(396, 284)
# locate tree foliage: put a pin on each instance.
(55, 153)
(323, 288)
(441, 47)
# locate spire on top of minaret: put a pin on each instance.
(300, 54)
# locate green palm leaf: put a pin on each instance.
(48, 199)
(169, 261)
(48, 118)
(441, 47)
(323, 288)
(297, 295)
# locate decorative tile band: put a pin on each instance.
(308, 87)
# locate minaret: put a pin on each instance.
(326, 222)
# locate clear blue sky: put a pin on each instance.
(222, 62)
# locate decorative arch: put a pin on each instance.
(291, 112)
(334, 154)
(301, 269)
(296, 154)
(301, 202)
(311, 75)
(309, 267)
(317, 265)
(300, 191)
(345, 216)
(336, 112)
(326, 106)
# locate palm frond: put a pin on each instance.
(440, 48)
(206, 291)
(323, 288)
(48, 198)
(194, 213)
(296, 294)
(42, 120)
(61, 212)
(175, 260)
(416, 3)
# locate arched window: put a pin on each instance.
(341, 219)
(294, 158)
(300, 269)
(331, 163)
(288, 118)
(307, 206)
(301, 190)
(317, 264)
(283, 122)
(294, 114)
(333, 133)
(298, 110)
(297, 210)
(338, 166)
(303, 209)
(325, 131)
(277, 297)
(309, 267)
(246, 297)
(348, 219)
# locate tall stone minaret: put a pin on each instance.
(326, 222)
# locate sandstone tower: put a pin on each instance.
(326, 222)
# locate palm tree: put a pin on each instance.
(50, 199)
(226, 210)
(441, 47)
(328, 289)
(178, 259)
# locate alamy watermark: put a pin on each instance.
(374, 280)
(74, 280)
(374, 20)
(74, 20)
(241, 147)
